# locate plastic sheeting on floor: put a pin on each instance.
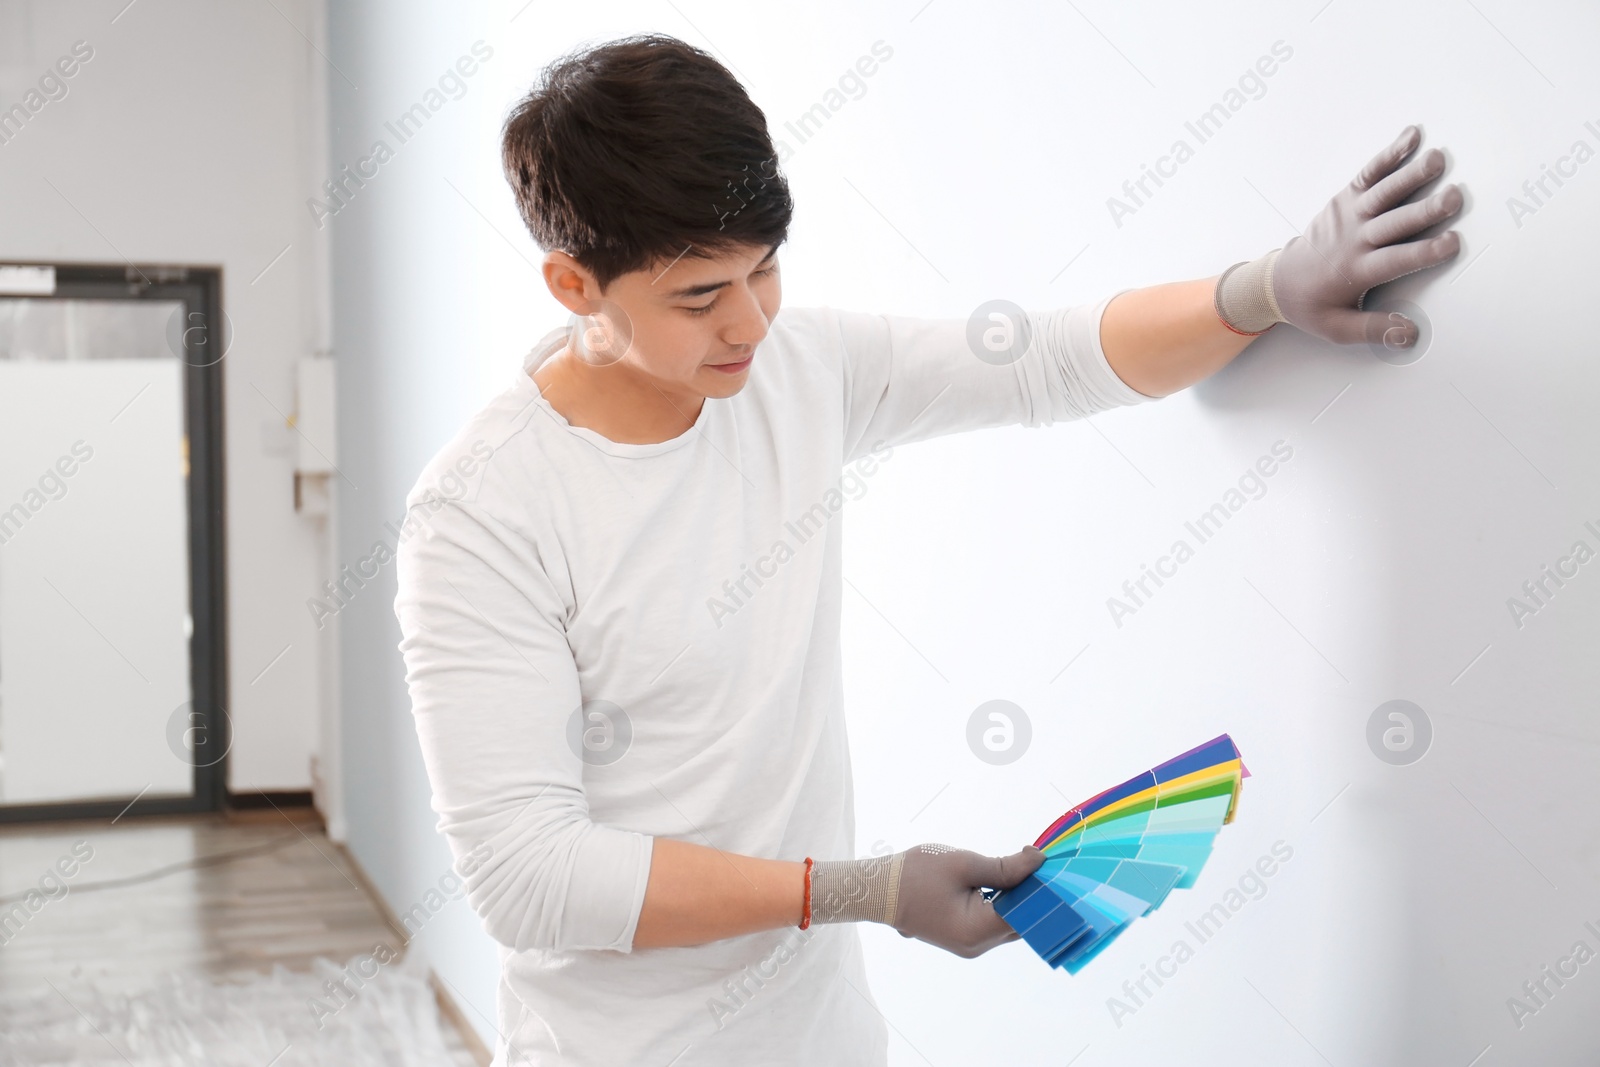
(359, 1013)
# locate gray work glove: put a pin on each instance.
(1317, 281)
(930, 892)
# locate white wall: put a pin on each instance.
(1376, 565)
(410, 272)
(187, 139)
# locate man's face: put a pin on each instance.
(691, 326)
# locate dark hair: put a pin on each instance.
(628, 153)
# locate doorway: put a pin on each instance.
(112, 582)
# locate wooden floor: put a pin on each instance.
(290, 897)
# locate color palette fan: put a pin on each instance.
(1117, 855)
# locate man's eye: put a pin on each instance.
(706, 308)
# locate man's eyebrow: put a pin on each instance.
(711, 287)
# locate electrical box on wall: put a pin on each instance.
(314, 419)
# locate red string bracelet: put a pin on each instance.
(805, 915)
(1242, 333)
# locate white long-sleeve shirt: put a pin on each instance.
(606, 643)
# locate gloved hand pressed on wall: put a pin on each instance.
(1317, 282)
(930, 892)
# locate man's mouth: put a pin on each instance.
(735, 367)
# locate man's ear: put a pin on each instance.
(571, 283)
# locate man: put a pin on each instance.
(622, 635)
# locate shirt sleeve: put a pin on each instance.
(493, 686)
(909, 379)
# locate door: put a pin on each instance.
(111, 639)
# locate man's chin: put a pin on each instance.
(729, 386)
(723, 383)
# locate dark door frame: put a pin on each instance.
(202, 344)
